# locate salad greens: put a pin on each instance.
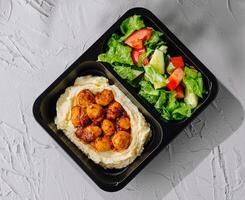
(130, 25)
(128, 73)
(193, 81)
(148, 92)
(117, 52)
(139, 55)
(182, 111)
(155, 77)
(157, 59)
(155, 41)
(160, 104)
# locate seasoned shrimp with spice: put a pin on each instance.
(104, 98)
(102, 122)
(115, 109)
(84, 98)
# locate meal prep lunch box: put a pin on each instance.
(163, 131)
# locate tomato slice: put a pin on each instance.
(135, 54)
(136, 39)
(179, 92)
(177, 61)
(175, 78)
(146, 61)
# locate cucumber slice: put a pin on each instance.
(191, 98)
(154, 77)
(157, 59)
(170, 68)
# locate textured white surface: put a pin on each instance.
(39, 39)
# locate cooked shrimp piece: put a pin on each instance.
(79, 132)
(84, 118)
(84, 98)
(103, 144)
(121, 140)
(104, 98)
(75, 116)
(114, 110)
(95, 112)
(89, 133)
(123, 123)
(108, 127)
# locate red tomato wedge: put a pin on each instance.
(135, 54)
(179, 92)
(177, 62)
(136, 39)
(175, 78)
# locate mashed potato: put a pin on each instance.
(140, 129)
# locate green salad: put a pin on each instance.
(140, 56)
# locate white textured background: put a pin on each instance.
(39, 39)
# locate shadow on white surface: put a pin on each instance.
(197, 142)
(50, 34)
(219, 121)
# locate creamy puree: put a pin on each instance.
(140, 129)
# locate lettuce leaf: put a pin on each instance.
(191, 72)
(165, 102)
(155, 41)
(183, 111)
(117, 52)
(172, 102)
(130, 25)
(154, 77)
(148, 92)
(171, 109)
(165, 114)
(128, 73)
(193, 81)
(161, 101)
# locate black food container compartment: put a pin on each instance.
(163, 131)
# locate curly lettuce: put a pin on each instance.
(160, 104)
(182, 111)
(193, 81)
(130, 25)
(154, 77)
(155, 41)
(128, 73)
(117, 52)
(148, 92)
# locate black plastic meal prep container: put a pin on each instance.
(163, 131)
